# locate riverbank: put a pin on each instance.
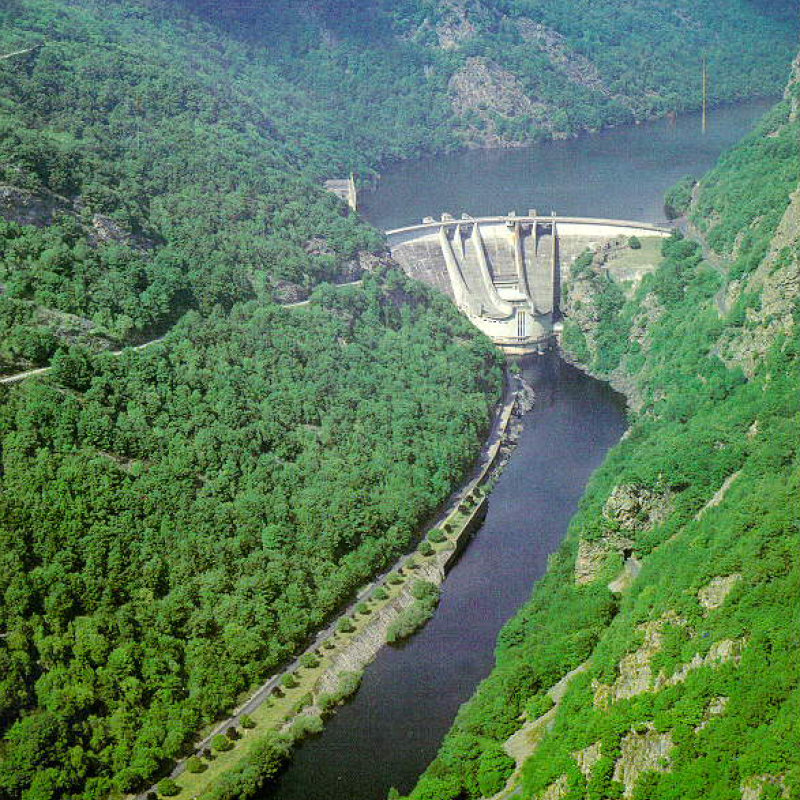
(295, 702)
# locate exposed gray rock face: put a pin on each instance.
(575, 66)
(29, 208)
(713, 595)
(752, 788)
(777, 281)
(642, 752)
(43, 208)
(635, 674)
(288, 292)
(632, 509)
(456, 22)
(587, 758)
(460, 20)
(593, 556)
(716, 708)
(107, 231)
(636, 508)
(483, 87)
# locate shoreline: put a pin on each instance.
(351, 652)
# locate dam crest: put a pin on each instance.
(505, 273)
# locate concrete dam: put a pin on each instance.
(505, 273)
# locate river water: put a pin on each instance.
(390, 731)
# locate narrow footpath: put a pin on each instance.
(21, 376)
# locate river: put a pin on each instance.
(391, 730)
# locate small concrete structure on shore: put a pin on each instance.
(344, 189)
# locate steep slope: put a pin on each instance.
(504, 72)
(668, 620)
(143, 147)
(176, 521)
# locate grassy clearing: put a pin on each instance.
(648, 256)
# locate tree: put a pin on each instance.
(345, 625)
(195, 765)
(168, 788)
(221, 743)
(288, 681)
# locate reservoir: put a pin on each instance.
(391, 730)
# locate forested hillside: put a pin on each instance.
(399, 77)
(175, 521)
(189, 137)
(658, 657)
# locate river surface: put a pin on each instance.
(391, 730)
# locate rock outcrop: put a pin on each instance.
(630, 509)
(43, 207)
(636, 508)
(564, 59)
(714, 593)
(32, 208)
(777, 282)
(484, 89)
(647, 751)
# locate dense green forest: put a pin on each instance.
(176, 520)
(687, 676)
(509, 71)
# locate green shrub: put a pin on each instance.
(195, 765)
(221, 743)
(409, 620)
(678, 198)
(494, 769)
(426, 549)
(168, 788)
(345, 625)
(436, 536)
(247, 722)
(635, 243)
(309, 660)
(306, 725)
(348, 683)
(306, 700)
(381, 593)
(537, 705)
(289, 681)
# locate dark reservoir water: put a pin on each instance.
(409, 696)
(619, 174)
